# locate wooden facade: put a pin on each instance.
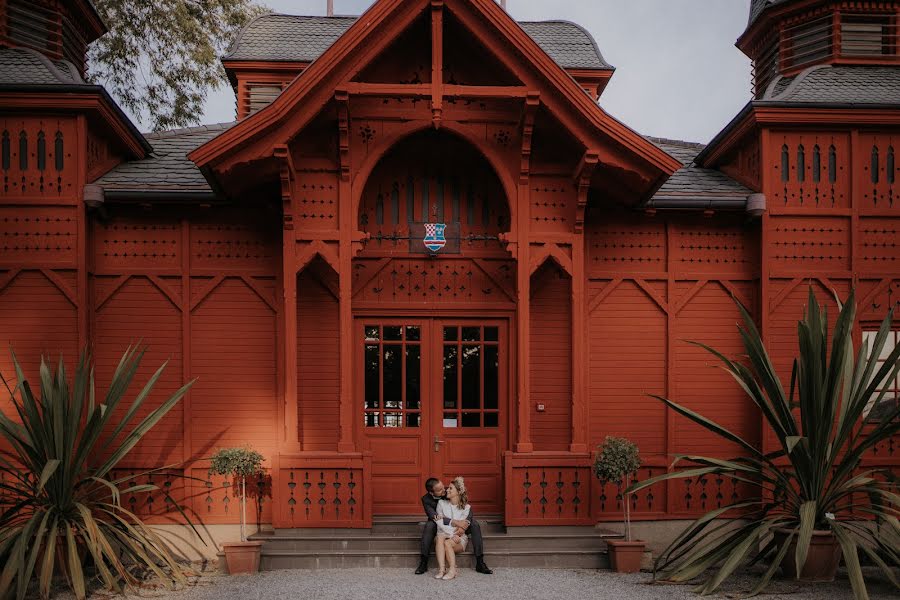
(324, 334)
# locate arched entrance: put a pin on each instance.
(434, 300)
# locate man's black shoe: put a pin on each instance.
(423, 566)
(483, 568)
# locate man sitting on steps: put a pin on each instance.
(434, 492)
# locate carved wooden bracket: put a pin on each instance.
(550, 251)
(342, 97)
(286, 175)
(582, 176)
(532, 101)
(317, 248)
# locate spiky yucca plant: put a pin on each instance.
(61, 509)
(815, 478)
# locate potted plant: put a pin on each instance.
(64, 511)
(618, 459)
(812, 495)
(240, 463)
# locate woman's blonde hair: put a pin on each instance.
(460, 484)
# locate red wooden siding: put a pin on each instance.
(627, 362)
(551, 358)
(318, 366)
(710, 317)
(233, 359)
(138, 312)
(36, 319)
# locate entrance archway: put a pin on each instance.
(433, 326)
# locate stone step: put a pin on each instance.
(395, 543)
(389, 543)
(536, 558)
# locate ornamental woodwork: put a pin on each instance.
(37, 158)
(810, 171)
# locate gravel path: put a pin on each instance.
(505, 584)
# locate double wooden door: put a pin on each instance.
(433, 401)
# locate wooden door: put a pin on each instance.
(470, 389)
(433, 395)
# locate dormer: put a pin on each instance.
(58, 29)
(785, 37)
(273, 49)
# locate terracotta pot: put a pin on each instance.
(242, 557)
(625, 557)
(822, 560)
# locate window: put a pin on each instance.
(393, 356)
(809, 42)
(261, 96)
(471, 364)
(891, 386)
(865, 35)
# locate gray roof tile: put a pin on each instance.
(302, 38)
(693, 182)
(758, 7)
(167, 169)
(838, 85)
(24, 66)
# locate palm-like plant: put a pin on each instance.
(815, 478)
(61, 509)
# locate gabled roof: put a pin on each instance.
(693, 186)
(863, 85)
(279, 37)
(254, 137)
(167, 168)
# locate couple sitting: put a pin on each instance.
(450, 521)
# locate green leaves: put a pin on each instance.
(60, 511)
(618, 458)
(160, 58)
(815, 479)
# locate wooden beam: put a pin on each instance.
(528, 115)
(437, 62)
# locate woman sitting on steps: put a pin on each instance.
(449, 540)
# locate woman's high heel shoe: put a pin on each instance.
(451, 574)
(440, 573)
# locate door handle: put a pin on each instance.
(437, 443)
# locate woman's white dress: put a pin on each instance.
(446, 510)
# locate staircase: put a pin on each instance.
(394, 542)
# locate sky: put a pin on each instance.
(678, 74)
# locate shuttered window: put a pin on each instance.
(890, 385)
(262, 95)
(865, 36)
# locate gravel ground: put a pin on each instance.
(512, 584)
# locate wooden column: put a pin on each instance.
(291, 429)
(82, 247)
(582, 178)
(522, 254)
(345, 282)
(766, 156)
(579, 353)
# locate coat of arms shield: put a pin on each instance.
(434, 238)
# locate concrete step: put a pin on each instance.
(552, 559)
(396, 544)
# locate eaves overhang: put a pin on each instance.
(77, 97)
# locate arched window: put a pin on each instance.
(817, 164)
(891, 172)
(5, 150)
(785, 164)
(395, 203)
(832, 165)
(875, 162)
(41, 151)
(801, 163)
(23, 151)
(59, 151)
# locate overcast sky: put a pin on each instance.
(678, 74)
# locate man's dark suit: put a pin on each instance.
(429, 503)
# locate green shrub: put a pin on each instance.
(63, 510)
(618, 460)
(240, 463)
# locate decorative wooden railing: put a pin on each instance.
(324, 491)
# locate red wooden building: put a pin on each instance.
(291, 262)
